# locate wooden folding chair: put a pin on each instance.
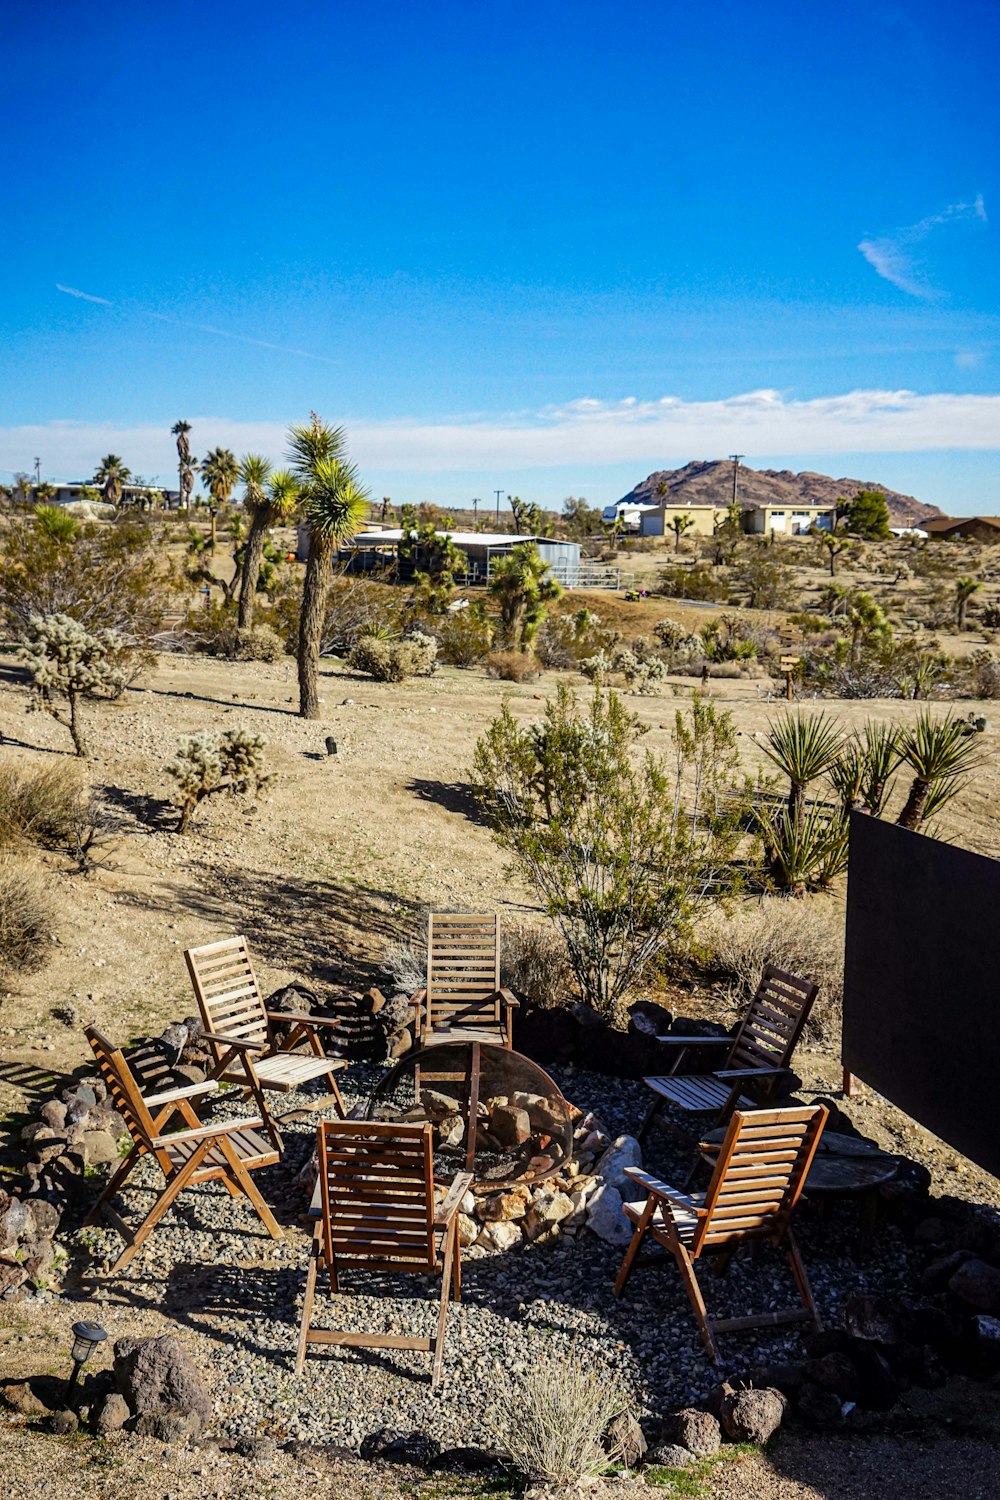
(757, 1057)
(227, 1152)
(463, 1000)
(241, 1030)
(374, 1208)
(758, 1177)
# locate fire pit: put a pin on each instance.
(495, 1113)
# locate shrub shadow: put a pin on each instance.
(453, 796)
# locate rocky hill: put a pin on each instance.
(711, 483)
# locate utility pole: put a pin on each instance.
(736, 473)
(38, 471)
(475, 512)
(498, 493)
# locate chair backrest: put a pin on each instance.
(227, 991)
(122, 1088)
(463, 969)
(377, 1194)
(774, 1021)
(758, 1177)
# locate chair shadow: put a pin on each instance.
(37, 1084)
(453, 796)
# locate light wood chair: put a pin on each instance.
(757, 1056)
(227, 1152)
(374, 1209)
(462, 1000)
(241, 1030)
(758, 1178)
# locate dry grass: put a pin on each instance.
(511, 666)
(42, 807)
(551, 1420)
(27, 917)
(805, 937)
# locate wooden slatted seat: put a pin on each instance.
(462, 999)
(374, 1209)
(227, 1152)
(758, 1178)
(242, 1031)
(757, 1056)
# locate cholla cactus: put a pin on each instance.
(642, 674)
(206, 763)
(66, 661)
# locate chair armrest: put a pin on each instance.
(694, 1041)
(301, 1020)
(234, 1041)
(187, 1091)
(448, 1207)
(658, 1189)
(509, 1000)
(750, 1072)
(207, 1132)
(417, 999)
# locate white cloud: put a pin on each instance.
(72, 291)
(583, 431)
(893, 256)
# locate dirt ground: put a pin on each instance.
(340, 854)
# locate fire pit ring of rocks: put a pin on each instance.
(523, 1125)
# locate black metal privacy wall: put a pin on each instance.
(922, 982)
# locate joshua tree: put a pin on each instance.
(333, 506)
(964, 590)
(112, 476)
(522, 589)
(220, 472)
(678, 525)
(941, 756)
(835, 545)
(271, 500)
(185, 471)
(867, 619)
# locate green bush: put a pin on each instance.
(464, 637)
(699, 582)
(394, 661)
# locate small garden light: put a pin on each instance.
(86, 1337)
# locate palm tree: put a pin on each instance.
(112, 476)
(334, 506)
(941, 755)
(678, 525)
(964, 590)
(185, 473)
(271, 500)
(220, 472)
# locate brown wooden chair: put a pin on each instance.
(227, 1152)
(241, 1030)
(374, 1209)
(462, 1000)
(758, 1177)
(757, 1057)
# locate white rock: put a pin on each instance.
(605, 1217)
(622, 1153)
(503, 1235)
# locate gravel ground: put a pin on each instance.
(210, 1269)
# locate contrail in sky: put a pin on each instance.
(220, 333)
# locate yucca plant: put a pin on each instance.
(942, 757)
(802, 851)
(804, 747)
(880, 755)
(847, 774)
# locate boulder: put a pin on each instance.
(512, 1204)
(468, 1230)
(669, 1456)
(62, 1423)
(697, 1431)
(511, 1126)
(154, 1374)
(605, 1217)
(111, 1415)
(546, 1116)
(400, 1447)
(985, 1333)
(868, 1315)
(43, 1219)
(835, 1372)
(938, 1272)
(53, 1113)
(623, 1152)
(170, 1424)
(100, 1148)
(547, 1210)
(625, 1441)
(752, 1416)
(546, 1036)
(819, 1407)
(503, 1235)
(13, 1221)
(20, 1397)
(978, 1285)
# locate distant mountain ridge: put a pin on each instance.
(710, 482)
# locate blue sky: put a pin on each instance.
(542, 247)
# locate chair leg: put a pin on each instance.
(456, 1274)
(801, 1279)
(173, 1186)
(450, 1248)
(635, 1244)
(686, 1268)
(116, 1181)
(307, 1301)
(651, 1114)
(240, 1176)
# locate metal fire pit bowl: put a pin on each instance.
(522, 1130)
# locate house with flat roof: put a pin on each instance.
(377, 546)
(788, 520)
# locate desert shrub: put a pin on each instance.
(256, 643)
(27, 917)
(764, 576)
(565, 640)
(40, 806)
(677, 642)
(596, 668)
(66, 661)
(642, 674)
(463, 636)
(618, 847)
(984, 674)
(678, 582)
(207, 763)
(803, 937)
(394, 661)
(511, 666)
(989, 616)
(550, 1421)
(533, 964)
